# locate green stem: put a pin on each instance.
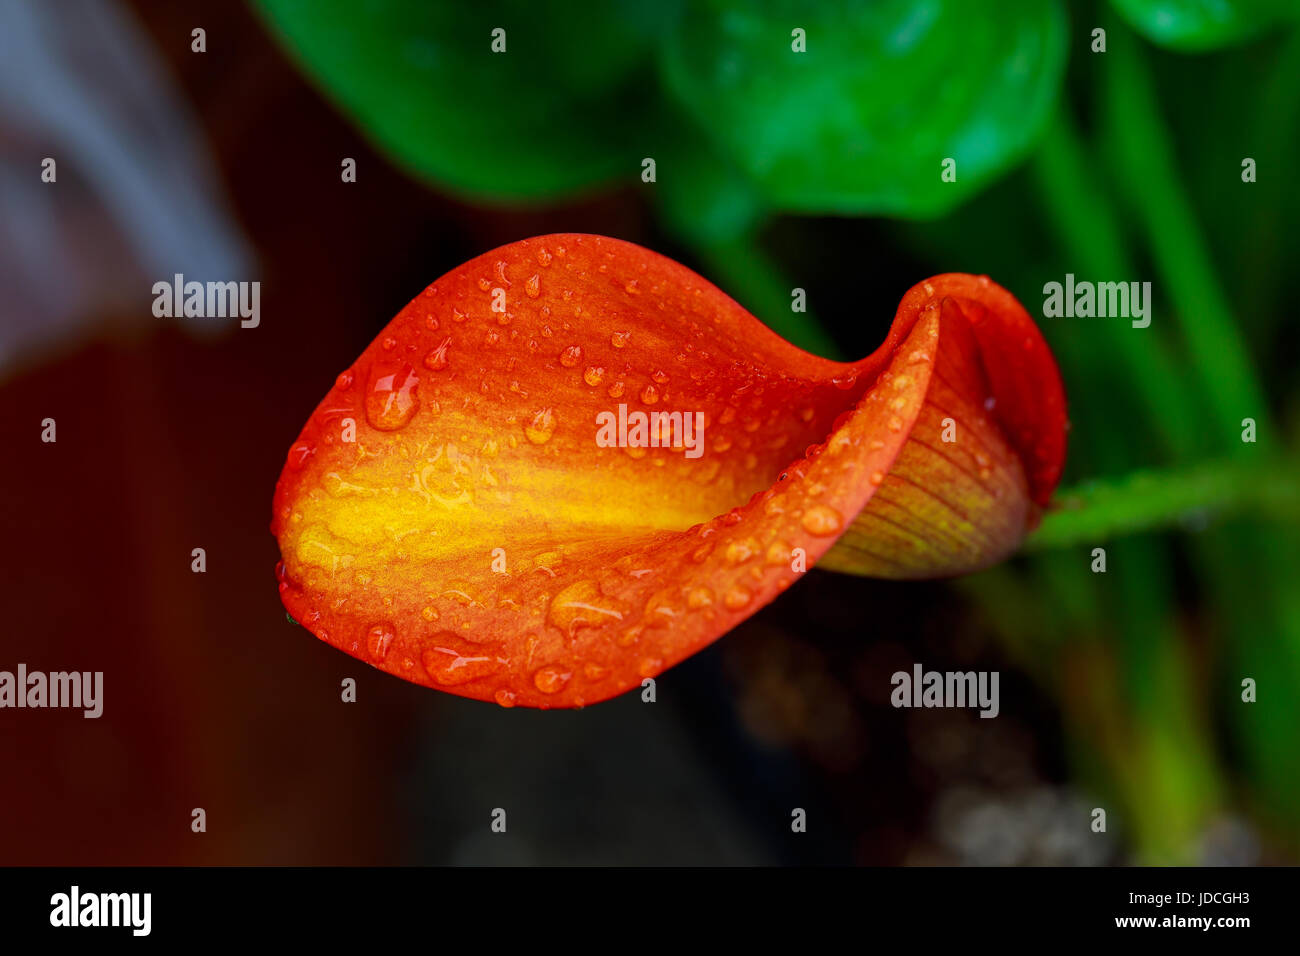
(1086, 225)
(1146, 154)
(1146, 501)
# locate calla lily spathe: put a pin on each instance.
(449, 516)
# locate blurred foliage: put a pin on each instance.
(1133, 171)
(1193, 25)
(899, 86)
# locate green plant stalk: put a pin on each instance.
(1093, 513)
(1086, 225)
(1258, 610)
(1150, 174)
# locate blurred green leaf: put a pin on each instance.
(560, 110)
(1194, 25)
(862, 121)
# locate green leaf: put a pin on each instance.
(558, 111)
(886, 91)
(1193, 25)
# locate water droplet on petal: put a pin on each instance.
(392, 401)
(619, 339)
(650, 395)
(736, 598)
(699, 598)
(541, 428)
(582, 605)
(822, 520)
(504, 697)
(378, 640)
(345, 379)
(738, 552)
(593, 375)
(299, 454)
(571, 356)
(436, 360)
(446, 665)
(551, 679)
(778, 553)
(533, 286)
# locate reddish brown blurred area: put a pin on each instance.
(167, 442)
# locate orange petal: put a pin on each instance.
(449, 515)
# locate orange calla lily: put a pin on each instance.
(487, 503)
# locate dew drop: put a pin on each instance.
(593, 375)
(571, 356)
(448, 666)
(345, 379)
(392, 401)
(582, 605)
(699, 598)
(551, 679)
(738, 552)
(619, 339)
(822, 520)
(533, 286)
(778, 553)
(541, 428)
(505, 698)
(299, 454)
(616, 390)
(736, 598)
(650, 395)
(378, 640)
(436, 360)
